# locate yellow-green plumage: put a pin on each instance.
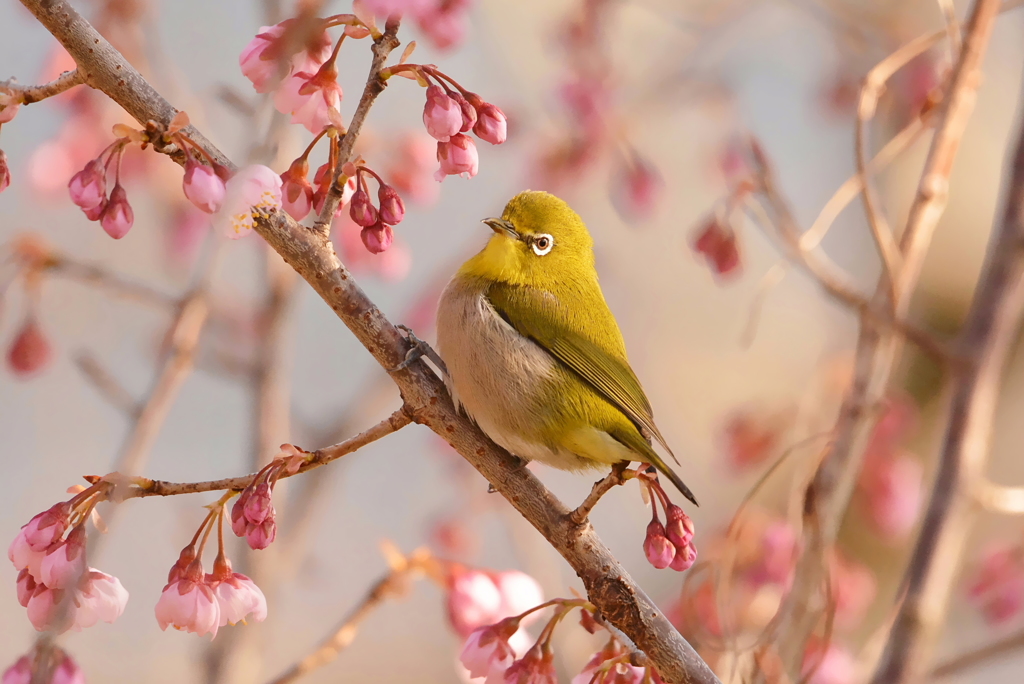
(534, 354)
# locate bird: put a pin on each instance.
(533, 354)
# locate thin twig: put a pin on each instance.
(390, 585)
(607, 582)
(964, 661)
(144, 487)
(375, 85)
(106, 384)
(952, 28)
(29, 94)
(99, 276)
(600, 488)
(1000, 499)
(986, 340)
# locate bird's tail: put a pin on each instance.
(655, 460)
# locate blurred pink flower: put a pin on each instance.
(260, 61)
(717, 244)
(18, 673)
(519, 592)
(473, 600)
(64, 562)
(412, 169)
(67, 672)
(458, 156)
(487, 652)
(536, 667)
(891, 492)
(751, 436)
(853, 590)
(189, 604)
(202, 186)
(385, 8)
(997, 584)
(443, 21)
(311, 98)
(99, 596)
(30, 352)
(442, 115)
(831, 664)
(619, 673)
(185, 232)
(777, 555)
(117, 217)
(254, 188)
(636, 188)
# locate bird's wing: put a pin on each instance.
(540, 316)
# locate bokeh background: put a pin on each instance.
(685, 81)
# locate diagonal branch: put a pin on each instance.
(608, 584)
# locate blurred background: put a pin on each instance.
(634, 111)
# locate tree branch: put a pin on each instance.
(608, 584)
(29, 94)
(986, 341)
(1012, 643)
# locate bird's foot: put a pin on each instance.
(417, 351)
(617, 476)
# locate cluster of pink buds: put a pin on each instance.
(636, 187)
(375, 221)
(489, 652)
(449, 113)
(253, 515)
(997, 583)
(294, 59)
(716, 241)
(88, 189)
(55, 583)
(61, 669)
(669, 545)
(194, 601)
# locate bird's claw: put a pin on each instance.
(418, 350)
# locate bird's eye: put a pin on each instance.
(542, 244)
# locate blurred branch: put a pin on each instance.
(34, 93)
(986, 341)
(145, 487)
(1014, 642)
(106, 384)
(91, 274)
(1000, 499)
(392, 584)
(310, 253)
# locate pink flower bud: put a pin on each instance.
(64, 563)
(678, 526)
(392, 208)
(536, 667)
(47, 527)
(67, 672)
(238, 520)
(377, 238)
(5, 172)
(361, 210)
(684, 559)
(117, 217)
(659, 550)
(30, 352)
(469, 115)
(202, 186)
(261, 536)
(441, 114)
(457, 157)
(96, 212)
(88, 187)
(26, 587)
(42, 608)
(491, 125)
(8, 108)
(189, 605)
(296, 191)
(718, 245)
(258, 507)
(18, 673)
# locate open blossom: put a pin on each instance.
(189, 604)
(237, 596)
(458, 156)
(202, 186)
(260, 60)
(117, 217)
(254, 188)
(442, 114)
(311, 98)
(30, 351)
(99, 596)
(64, 562)
(487, 650)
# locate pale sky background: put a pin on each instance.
(683, 330)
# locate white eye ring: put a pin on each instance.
(542, 244)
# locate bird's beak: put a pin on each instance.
(502, 227)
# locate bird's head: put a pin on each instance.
(539, 241)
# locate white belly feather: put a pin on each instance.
(495, 373)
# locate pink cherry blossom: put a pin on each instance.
(487, 650)
(296, 191)
(189, 605)
(23, 556)
(443, 21)
(88, 187)
(637, 186)
(891, 488)
(717, 244)
(64, 562)
(117, 217)
(442, 115)
(536, 667)
(491, 125)
(26, 587)
(997, 584)
(202, 186)
(47, 527)
(99, 597)
(853, 590)
(831, 664)
(473, 600)
(519, 592)
(458, 156)
(43, 608)
(775, 557)
(18, 673)
(5, 172)
(260, 60)
(657, 548)
(252, 189)
(253, 516)
(237, 595)
(29, 353)
(68, 672)
(310, 98)
(361, 210)
(377, 238)
(9, 106)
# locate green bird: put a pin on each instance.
(533, 353)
